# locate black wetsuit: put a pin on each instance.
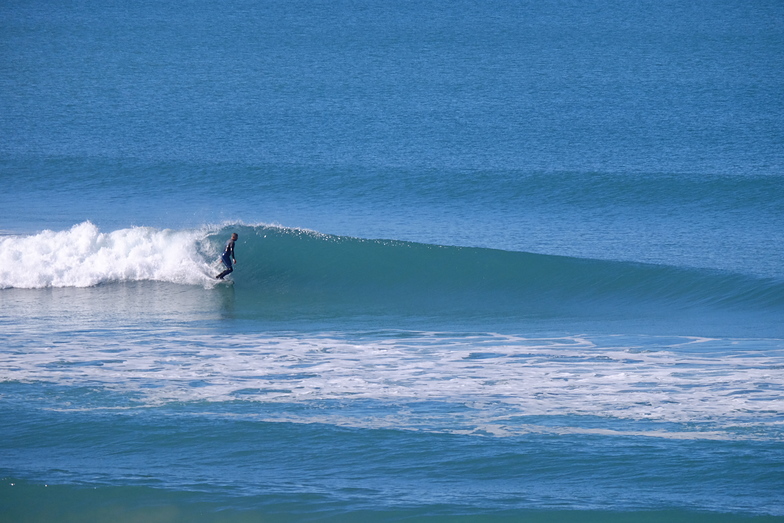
(226, 258)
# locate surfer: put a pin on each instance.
(228, 256)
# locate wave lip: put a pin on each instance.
(83, 256)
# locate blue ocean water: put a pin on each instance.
(497, 261)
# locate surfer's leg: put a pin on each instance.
(224, 273)
(227, 262)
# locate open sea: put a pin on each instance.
(498, 261)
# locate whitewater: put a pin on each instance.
(505, 382)
(83, 256)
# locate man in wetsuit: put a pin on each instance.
(228, 256)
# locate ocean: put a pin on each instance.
(497, 261)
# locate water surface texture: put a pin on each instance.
(497, 261)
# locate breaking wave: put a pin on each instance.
(310, 266)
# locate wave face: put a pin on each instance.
(310, 269)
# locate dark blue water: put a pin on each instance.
(498, 261)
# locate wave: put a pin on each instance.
(304, 265)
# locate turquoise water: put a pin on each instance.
(499, 261)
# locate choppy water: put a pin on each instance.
(497, 262)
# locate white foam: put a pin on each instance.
(497, 378)
(84, 256)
